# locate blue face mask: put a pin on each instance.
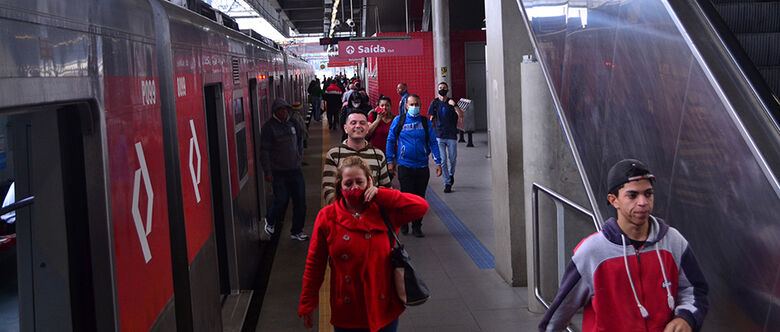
(414, 110)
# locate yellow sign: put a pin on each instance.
(443, 71)
(322, 66)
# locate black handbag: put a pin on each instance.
(410, 287)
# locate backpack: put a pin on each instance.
(400, 126)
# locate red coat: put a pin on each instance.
(362, 292)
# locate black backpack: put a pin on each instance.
(400, 126)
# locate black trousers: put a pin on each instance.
(414, 181)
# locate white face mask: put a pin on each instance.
(355, 105)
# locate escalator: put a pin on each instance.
(690, 87)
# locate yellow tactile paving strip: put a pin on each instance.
(324, 306)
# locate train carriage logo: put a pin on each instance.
(143, 232)
(193, 173)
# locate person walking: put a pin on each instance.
(281, 155)
(380, 119)
(315, 91)
(403, 91)
(355, 145)
(658, 287)
(409, 143)
(445, 113)
(332, 104)
(351, 236)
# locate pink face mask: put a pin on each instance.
(354, 197)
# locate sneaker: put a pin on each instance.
(300, 236)
(448, 188)
(269, 228)
(405, 229)
(417, 232)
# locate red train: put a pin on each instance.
(130, 131)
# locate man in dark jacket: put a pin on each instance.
(332, 98)
(281, 154)
(445, 113)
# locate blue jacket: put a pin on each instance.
(410, 149)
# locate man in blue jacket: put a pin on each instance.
(410, 141)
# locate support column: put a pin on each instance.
(441, 41)
(507, 41)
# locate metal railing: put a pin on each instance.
(560, 203)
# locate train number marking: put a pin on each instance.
(148, 92)
(195, 174)
(181, 86)
(143, 232)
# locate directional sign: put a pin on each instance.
(381, 48)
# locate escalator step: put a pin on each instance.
(751, 16)
(762, 48)
(772, 77)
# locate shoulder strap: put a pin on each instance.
(399, 126)
(390, 231)
(339, 157)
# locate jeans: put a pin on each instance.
(392, 327)
(415, 181)
(316, 103)
(449, 154)
(287, 185)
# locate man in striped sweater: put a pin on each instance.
(356, 128)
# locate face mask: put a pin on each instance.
(354, 197)
(443, 92)
(355, 105)
(414, 110)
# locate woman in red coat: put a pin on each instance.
(352, 233)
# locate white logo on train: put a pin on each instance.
(195, 174)
(181, 87)
(143, 230)
(148, 92)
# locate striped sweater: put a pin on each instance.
(374, 157)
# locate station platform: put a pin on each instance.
(454, 258)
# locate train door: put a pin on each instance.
(271, 89)
(258, 102)
(219, 168)
(45, 259)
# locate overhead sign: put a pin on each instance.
(380, 48)
(339, 62)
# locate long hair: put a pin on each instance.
(351, 161)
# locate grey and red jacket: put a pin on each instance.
(665, 282)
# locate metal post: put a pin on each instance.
(559, 232)
(441, 41)
(406, 12)
(363, 20)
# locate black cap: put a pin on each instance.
(280, 103)
(627, 170)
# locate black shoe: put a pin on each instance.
(447, 188)
(452, 179)
(418, 232)
(405, 229)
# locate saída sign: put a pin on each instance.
(384, 48)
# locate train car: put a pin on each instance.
(130, 131)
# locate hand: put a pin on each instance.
(370, 193)
(308, 321)
(451, 102)
(438, 170)
(677, 325)
(269, 177)
(391, 168)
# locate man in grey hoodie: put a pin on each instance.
(281, 154)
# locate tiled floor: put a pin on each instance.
(463, 296)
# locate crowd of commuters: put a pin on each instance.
(351, 232)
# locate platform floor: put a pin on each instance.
(454, 258)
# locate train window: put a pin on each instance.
(241, 145)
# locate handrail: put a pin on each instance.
(559, 201)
